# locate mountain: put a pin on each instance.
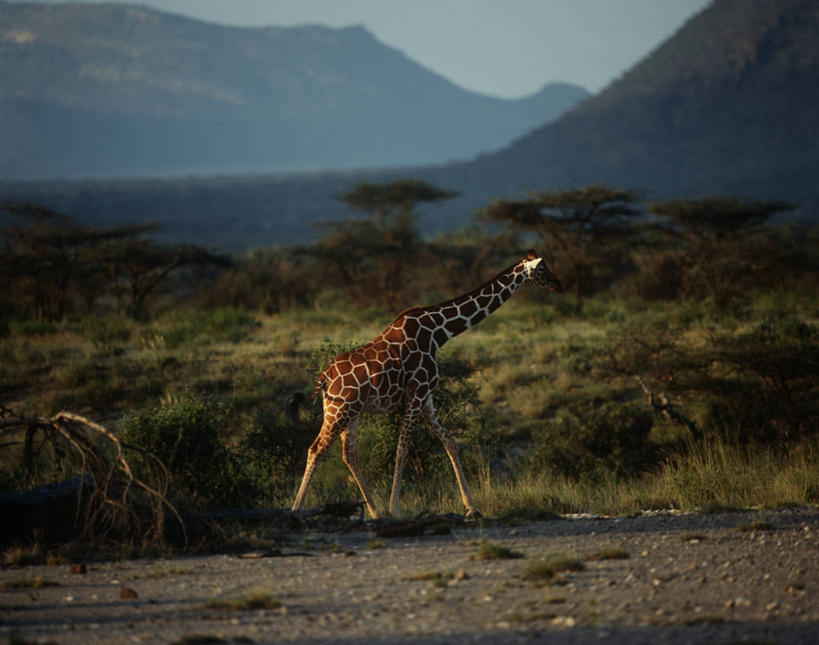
(729, 104)
(114, 90)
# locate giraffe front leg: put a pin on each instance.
(434, 423)
(407, 423)
(349, 452)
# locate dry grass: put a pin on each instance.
(32, 582)
(437, 578)
(494, 551)
(713, 475)
(548, 568)
(530, 359)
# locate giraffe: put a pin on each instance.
(398, 370)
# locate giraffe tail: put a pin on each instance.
(320, 384)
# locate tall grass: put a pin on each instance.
(531, 363)
(713, 474)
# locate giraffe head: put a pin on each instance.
(540, 274)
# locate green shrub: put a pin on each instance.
(762, 385)
(105, 333)
(230, 325)
(33, 327)
(187, 437)
(223, 325)
(273, 453)
(593, 439)
(326, 351)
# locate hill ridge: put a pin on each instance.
(118, 90)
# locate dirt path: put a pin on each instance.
(686, 579)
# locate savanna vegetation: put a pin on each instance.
(679, 370)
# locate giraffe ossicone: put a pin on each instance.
(398, 370)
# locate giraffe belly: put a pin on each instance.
(385, 392)
(379, 403)
(379, 407)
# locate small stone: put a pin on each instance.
(460, 575)
(564, 621)
(79, 568)
(126, 593)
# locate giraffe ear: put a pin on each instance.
(530, 254)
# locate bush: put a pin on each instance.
(594, 439)
(660, 275)
(186, 437)
(273, 452)
(231, 325)
(225, 325)
(105, 333)
(763, 385)
(325, 352)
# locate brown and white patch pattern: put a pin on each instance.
(397, 370)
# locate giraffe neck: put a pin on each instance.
(459, 314)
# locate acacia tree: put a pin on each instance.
(373, 252)
(578, 227)
(723, 251)
(47, 255)
(143, 265)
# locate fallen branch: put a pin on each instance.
(106, 499)
(662, 406)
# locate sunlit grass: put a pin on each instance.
(715, 473)
(531, 361)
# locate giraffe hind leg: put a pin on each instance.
(349, 452)
(330, 429)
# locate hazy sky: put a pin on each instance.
(500, 47)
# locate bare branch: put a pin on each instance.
(110, 504)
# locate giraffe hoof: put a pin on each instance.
(472, 515)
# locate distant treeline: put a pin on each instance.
(719, 249)
(230, 214)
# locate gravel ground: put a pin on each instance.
(679, 578)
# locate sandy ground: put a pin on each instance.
(687, 578)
